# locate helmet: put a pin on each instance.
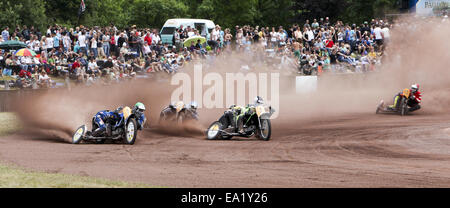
(139, 107)
(193, 105)
(259, 100)
(415, 87)
(118, 109)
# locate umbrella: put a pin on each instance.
(25, 52)
(194, 40)
(12, 45)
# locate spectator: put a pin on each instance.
(5, 34)
(378, 35)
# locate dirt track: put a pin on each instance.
(359, 150)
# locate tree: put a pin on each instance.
(234, 12)
(23, 12)
(64, 11)
(153, 13)
(308, 10)
(205, 10)
(274, 12)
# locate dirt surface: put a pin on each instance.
(329, 138)
(359, 150)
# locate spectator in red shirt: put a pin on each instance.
(329, 42)
(148, 39)
(24, 73)
(75, 66)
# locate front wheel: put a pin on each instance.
(79, 134)
(130, 132)
(213, 131)
(265, 130)
(379, 107)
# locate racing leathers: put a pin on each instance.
(103, 120)
(168, 113)
(413, 101)
(191, 113)
(235, 117)
(140, 119)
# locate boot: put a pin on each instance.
(416, 107)
(239, 127)
(98, 132)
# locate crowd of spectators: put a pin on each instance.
(318, 46)
(90, 55)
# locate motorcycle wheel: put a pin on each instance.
(130, 132)
(265, 132)
(213, 131)
(226, 137)
(379, 107)
(180, 120)
(100, 141)
(79, 133)
(403, 107)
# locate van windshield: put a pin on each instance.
(168, 31)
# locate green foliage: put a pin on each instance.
(22, 12)
(153, 13)
(205, 10)
(273, 12)
(64, 11)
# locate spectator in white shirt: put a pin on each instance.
(155, 37)
(82, 42)
(378, 35)
(386, 33)
(93, 67)
(49, 43)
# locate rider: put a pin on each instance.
(416, 98)
(413, 102)
(138, 110)
(103, 119)
(193, 109)
(236, 113)
(168, 112)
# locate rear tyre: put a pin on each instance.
(265, 131)
(226, 137)
(213, 131)
(79, 134)
(130, 132)
(181, 119)
(403, 107)
(100, 141)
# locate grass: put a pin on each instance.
(12, 177)
(9, 123)
(15, 177)
(4, 78)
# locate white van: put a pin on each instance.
(168, 30)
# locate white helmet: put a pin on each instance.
(415, 87)
(193, 105)
(259, 100)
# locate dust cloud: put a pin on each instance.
(417, 53)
